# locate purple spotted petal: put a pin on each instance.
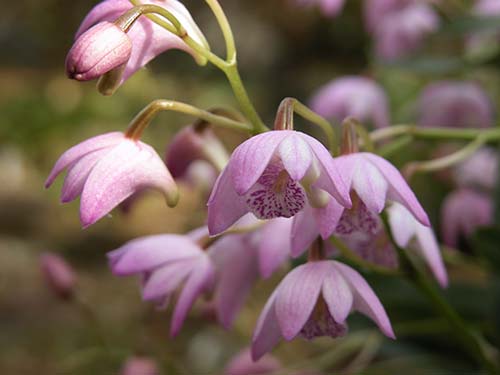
(267, 332)
(399, 190)
(297, 296)
(365, 300)
(146, 253)
(224, 205)
(81, 149)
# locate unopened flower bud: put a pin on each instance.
(58, 274)
(100, 49)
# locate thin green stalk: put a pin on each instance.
(395, 146)
(227, 33)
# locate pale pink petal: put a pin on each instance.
(225, 206)
(166, 279)
(429, 249)
(81, 149)
(242, 364)
(296, 156)
(145, 253)
(129, 167)
(327, 218)
(107, 10)
(267, 332)
(200, 280)
(370, 186)
(304, 231)
(297, 296)
(365, 300)
(399, 190)
(250, 159)
(402, 223)
(274, 246)
(337, 295)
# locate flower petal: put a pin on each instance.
(402, 223)
(275, 245)
(267, 330)
(304, 231)
(251, 157)
(399, 190)
(296, 156)
(429, 249)
(225, 206)
(327, 218)
(200, 280)
(80, 150)
(337, 295)
(370, 185)
(365, 299)
(297, 296)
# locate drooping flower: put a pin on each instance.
(410, 234)
(147, 38)
(274, 174)
(374, 181)
(478, 171)
(359, 97)
(329, 8)
(463, 212)
(107, 169)
(399, 26)
(165, 262)
(314, 300)
(140, 366)
(455, 104)
(58, 274)
(100, 49)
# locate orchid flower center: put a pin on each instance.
(321, 323)
(275, 194)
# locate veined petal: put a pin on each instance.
(296, 156)
(297, 296)
(304, 231)
(402, 223)
(399, 190)
(429, 249)
(365, 299)
(267, 330)
(146, 253)
(250, 159)
(108, 10)
(274, 246)
(327, 218)
(81, 149)
(337, 295)
(200, 280)
(370, 185)
(126, 169)
(166, 279)
(225, 206)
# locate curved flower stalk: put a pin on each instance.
(463, 212)
(165, 262)
(107, 169)
(147, 39)
(374, 182)
(399, 26)
(329, 8)
(274, 174)
(478, 171)
(314, 300)
(455, 104)
(352, 96)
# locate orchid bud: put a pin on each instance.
(58, 274)
(100, 49)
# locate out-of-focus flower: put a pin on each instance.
(164, 262)
(100, 49)
(106, 170)
(140, 366)
(399, 26)
(192, 144)
(314, 300)
(58, 274)
(329, 8)
(242, 364)
(147, 38)
(464, 211)
(274, 174)
(359, 97)
(478, 171)
(375, 181)
(410, 234)
(455, 104)
(481, 40)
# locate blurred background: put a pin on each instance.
(284, 50)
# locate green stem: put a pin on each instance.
(142, 120)
(390, 148)
(225, 28)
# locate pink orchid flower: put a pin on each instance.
(107, 169)
(314, 300)
(329, 8)
(274, 174)
(58, 274)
